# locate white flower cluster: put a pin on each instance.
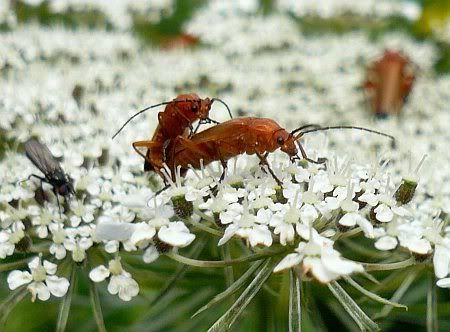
(73, 89)
(329, 8)
(118, 12)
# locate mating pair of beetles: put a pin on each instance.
(177, 144)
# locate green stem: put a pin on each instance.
(432, 312)
(8, 305)
(228, 271)
(203, 215)
(407, 282)
(14, 265)
(64, 308)
(219, 264)
(205, 228)
(389, 266)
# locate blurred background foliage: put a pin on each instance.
(171, 293)
(435, 14)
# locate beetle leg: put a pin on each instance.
(145, 144)
(196, 129)
(263, 159)
(187, 144)
(222, 161)
(319, 161)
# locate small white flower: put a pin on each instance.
(120, 282)
(42, 280)
(78, 247)
(248, 226)
(10, 237)
(58, 237)
(352, 219)
(43, 220)
(284, 221)
(318, 257)
(383, 213)
(81, 213)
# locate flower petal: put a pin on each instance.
(383, 213)
(441, 261)
(57, 286)
(50, 267)
(99, 274)
(151, 254)
(18, 278)
(40, 290)
(176, 234)
(289, 261)
(386, 243)
(315, 266)
(444, 283)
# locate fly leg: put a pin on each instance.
(57, 201)
(43, 196)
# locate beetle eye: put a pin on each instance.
(194, 108)
(280, 140)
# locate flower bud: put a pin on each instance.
(405, 191)
(421, 257)
(162, 247)
(182, 207)
(278, 197)
(237, 185)
(24, 244)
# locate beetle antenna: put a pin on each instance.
(221, 101)
(343, 127)
(146, 109)
(304, 127)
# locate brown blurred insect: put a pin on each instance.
(176, 120)
(389, 81)
(226, 140)
(181, 40)
(42, 158)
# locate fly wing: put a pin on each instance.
(42, 158)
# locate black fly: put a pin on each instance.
(42, 158)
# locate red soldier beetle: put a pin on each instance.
(226, 140)
(389, 82)
(177, 117)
